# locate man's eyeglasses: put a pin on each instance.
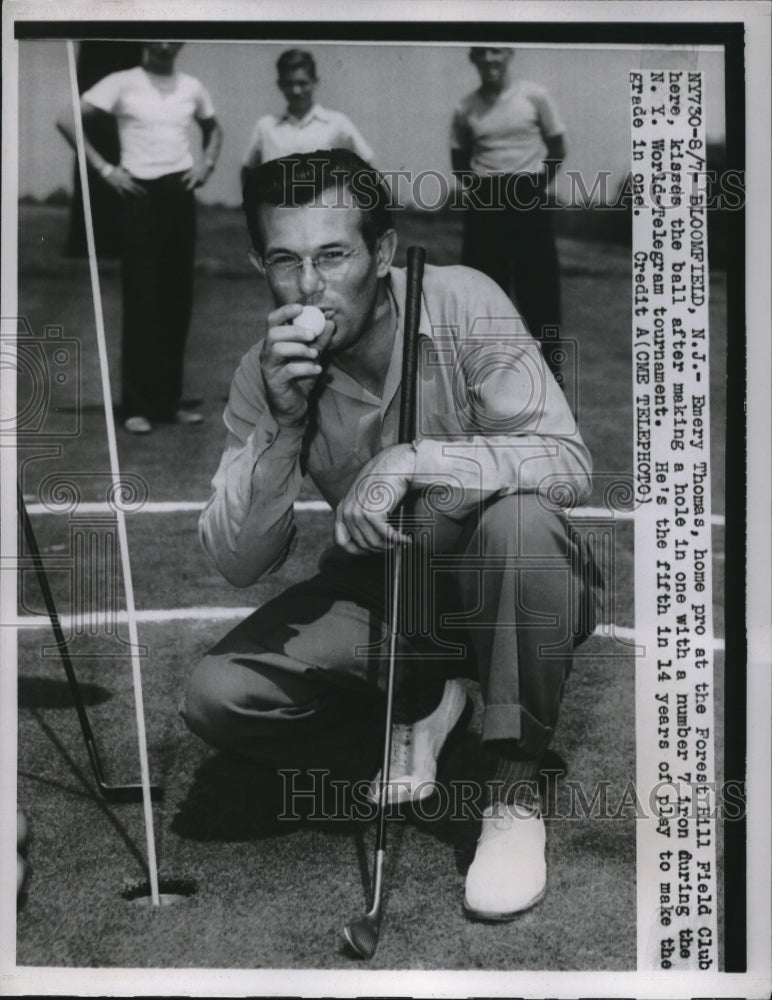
(328, 264)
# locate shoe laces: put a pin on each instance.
(502, 815)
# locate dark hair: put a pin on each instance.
(476, 51)
(294, 59)
(302, 178)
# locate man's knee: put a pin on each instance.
(210, 699)
(522, 524)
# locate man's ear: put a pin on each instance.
(387, 247)
(256, 261)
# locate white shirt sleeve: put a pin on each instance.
(105, 93)
(253, 155)
(204, 104)
(516, 433)
(248, 526)
(550, 122)
(354, 139)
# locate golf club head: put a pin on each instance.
(362, 934)
(116, 793)
(128, 793)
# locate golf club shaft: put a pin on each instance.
(415, 267)
(114, 793)
(53, 616)
(415, 275)
(380, 840)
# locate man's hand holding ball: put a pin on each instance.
(290, 359)
(311, 318)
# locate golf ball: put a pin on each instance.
(312, 319)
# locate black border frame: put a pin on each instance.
(730, 36)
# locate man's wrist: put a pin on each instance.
(106, 169)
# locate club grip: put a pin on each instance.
(416, 256)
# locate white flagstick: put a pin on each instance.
(115, 473)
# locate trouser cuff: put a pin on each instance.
(513, 722)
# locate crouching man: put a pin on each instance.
(300, 683)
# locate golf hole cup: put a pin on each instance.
(170, 891)
(311, 319)
(22, 842)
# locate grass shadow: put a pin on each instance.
(45, 692)
(106, 810)
(234, 799)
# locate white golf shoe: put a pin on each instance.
(138, 425)
(509, 871)
(415, 749)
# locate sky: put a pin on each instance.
(401, 97)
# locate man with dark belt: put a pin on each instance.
(154, 106)
(506, 146)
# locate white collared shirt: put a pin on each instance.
(491, 436)
(320, 128)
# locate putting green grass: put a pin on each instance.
(276, 895)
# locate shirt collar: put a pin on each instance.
(340, 382)
(316, 111)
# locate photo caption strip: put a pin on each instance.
(676, 854)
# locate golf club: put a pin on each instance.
(112, 793)
(362, 934)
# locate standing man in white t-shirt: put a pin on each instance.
(506, 146)
(304, 125)
(154, 106)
